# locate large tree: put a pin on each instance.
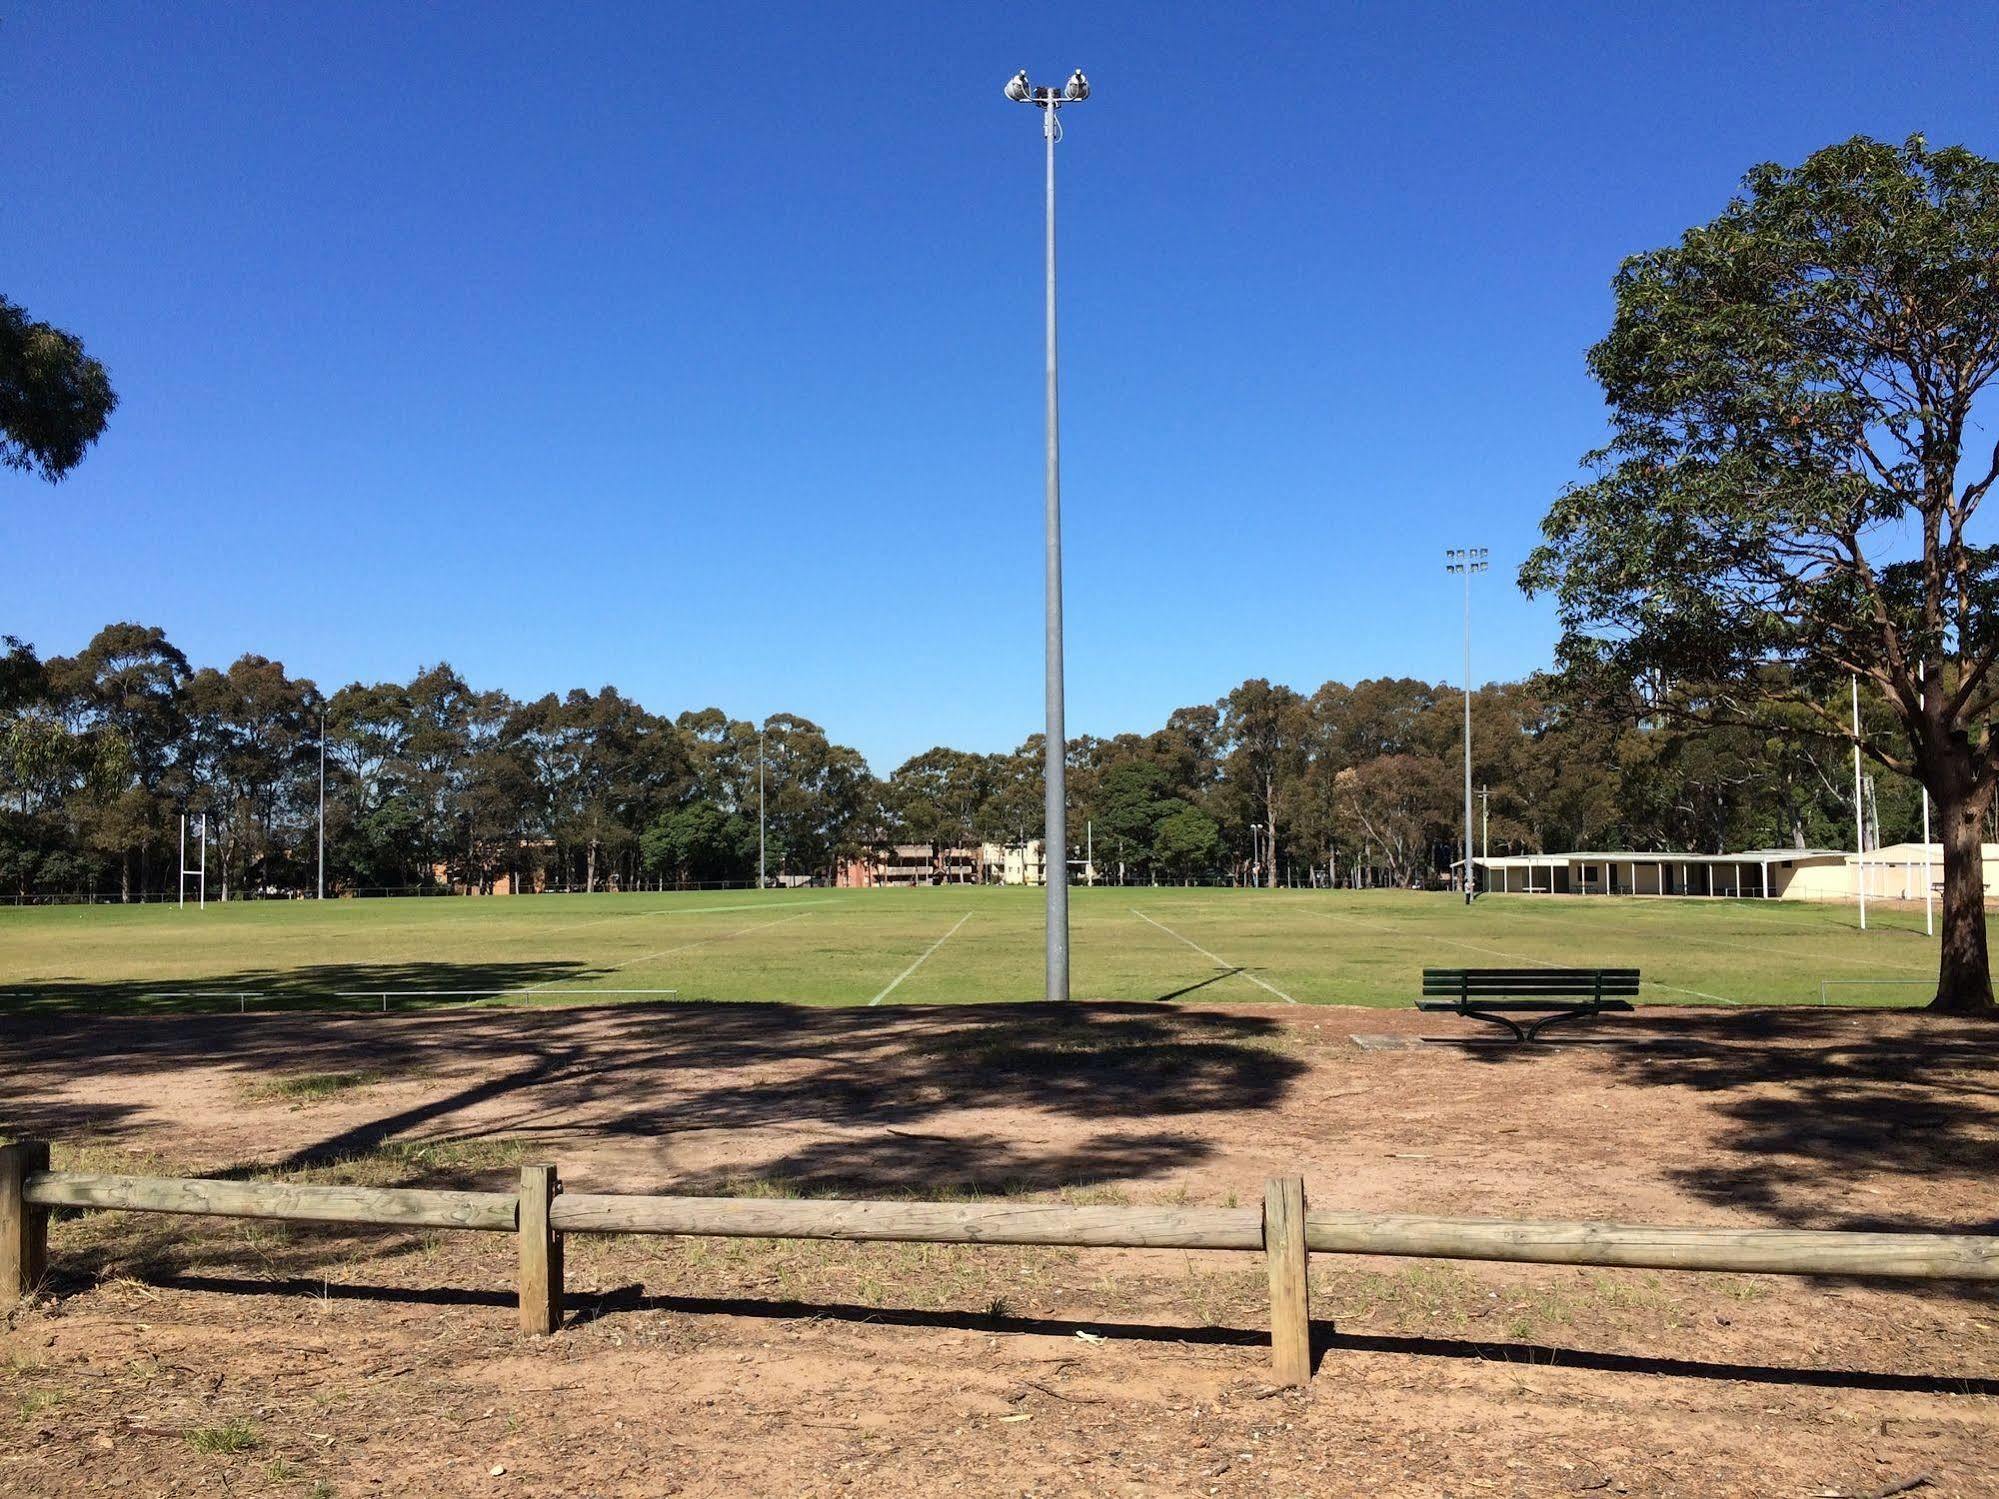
(54, 398)
(1786, 501)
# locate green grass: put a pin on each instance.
(235, 1436)
(845, 947)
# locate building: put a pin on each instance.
(907, 864)
(1760, 874)
(1014, 863)
(1898, 872)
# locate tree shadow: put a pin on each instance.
(1328, 1343)
(1809, 1098)
(662, 1072)
(319, 986)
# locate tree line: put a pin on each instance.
(433, 783)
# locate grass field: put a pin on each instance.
(849, 947)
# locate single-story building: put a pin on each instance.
(1900, 871)
(1758, 874)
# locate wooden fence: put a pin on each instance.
(540, 1214)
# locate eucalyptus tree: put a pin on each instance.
(54, 398)
(1788, 502)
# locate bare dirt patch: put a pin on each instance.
(180, 1355)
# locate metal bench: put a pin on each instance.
(1555, 994)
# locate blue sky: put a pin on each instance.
(696, 349)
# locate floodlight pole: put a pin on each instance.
(1929, 896)
(322, 806)
(760, 811)
(1055, 744)
(1859, 833)
(1467, 560)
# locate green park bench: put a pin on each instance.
(1496, 995)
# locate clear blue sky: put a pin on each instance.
(696, 349)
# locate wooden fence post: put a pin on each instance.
(541, 1252)
(24, 1228)
(1290, 1301)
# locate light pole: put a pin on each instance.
(760, 810)
(1859, 831)
(1467, 560)
(322, 806)
(1055, 745)
(1929, 917)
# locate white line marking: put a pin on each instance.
(892, 983)
(687, 946)
(1235, 968)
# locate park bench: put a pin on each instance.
(1496, 995)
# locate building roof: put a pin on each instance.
(1638, 856)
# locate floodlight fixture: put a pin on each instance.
(1075, 91)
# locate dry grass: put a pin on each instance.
(301, 1088)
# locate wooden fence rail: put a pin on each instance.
(1283, 1229)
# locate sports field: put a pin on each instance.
(944, 945)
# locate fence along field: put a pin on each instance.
(941, 945)
(1284, 1231)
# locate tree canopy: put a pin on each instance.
(434, 781)
(54, 398)
(1787, 501)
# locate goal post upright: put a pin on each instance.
(200, 871)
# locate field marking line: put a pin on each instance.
(892, 983)
(1223, 963)
(696, 911)
(687, 946)
(1523, 958)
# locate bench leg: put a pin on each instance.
(1558, 1018)
(1518, 1034)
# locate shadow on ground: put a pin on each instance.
(322, 986)
(1807, 1097)
(661, 1071)
(1328, 1343)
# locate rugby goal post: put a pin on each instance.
(199, 871)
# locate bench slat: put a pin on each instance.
(1521, 1006)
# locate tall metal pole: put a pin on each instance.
(761, 877)
(1055, 834)
(1929, 895)
(1859, 835)
(322, 806)
(1470, 881)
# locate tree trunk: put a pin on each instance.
(1964, 976)
(590, 868)
(1270, 827)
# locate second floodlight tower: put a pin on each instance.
(1469, 561)
(1055, 833)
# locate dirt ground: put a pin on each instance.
(204, 1356)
